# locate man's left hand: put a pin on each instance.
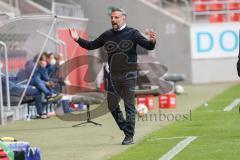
(151, 35)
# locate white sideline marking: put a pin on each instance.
(164, 138)
(232, 105)
(178, 148)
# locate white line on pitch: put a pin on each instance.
(232, 105)
(164, 138)
(178, 148)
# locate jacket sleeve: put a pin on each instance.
(36, 77)
(144, 42)
(238, 67)
(91, 45)
(45, 75)
(238, 63)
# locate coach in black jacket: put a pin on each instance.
(120, 44)
(238, 63)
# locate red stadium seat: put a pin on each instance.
(234, 5)
(201, 7)
(216, 18)
(216, 5)
(235, 17)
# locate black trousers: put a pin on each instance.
(122, 86)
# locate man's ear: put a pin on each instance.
(124, 17)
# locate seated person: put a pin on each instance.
(238, 62)
(16, 91)
(25, 73)
(42, 81)
(59, 59)
(53, 65)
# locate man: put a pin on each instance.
(41, 80)
(120, 44)
(16, 90)
(238, 62)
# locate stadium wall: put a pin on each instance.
(176, 39)
(173, 48)
(214, 49)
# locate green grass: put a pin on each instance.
(218, 134)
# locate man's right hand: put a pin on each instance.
(238, 67)
(73, 33)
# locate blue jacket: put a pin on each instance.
(40, 74)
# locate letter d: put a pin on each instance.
(204, 41)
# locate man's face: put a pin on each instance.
(117, 20)
(43, 63)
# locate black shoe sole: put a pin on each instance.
(128, 143)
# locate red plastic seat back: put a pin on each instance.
(216, 5)
(200, 6)
(234, 5)
(235, 17)
(216, 18)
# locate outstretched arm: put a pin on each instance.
(90, 45)
(238, 62)
(144, 42)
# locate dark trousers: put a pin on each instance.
(41, 85)
(32, 91)
(122, 86)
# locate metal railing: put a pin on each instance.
(184, 10)
(10, 7)
(188, 9)
(1, 98)
(13, 3)
(7, 75)
(45, 3)
(63, 9)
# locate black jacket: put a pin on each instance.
(238, 63)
